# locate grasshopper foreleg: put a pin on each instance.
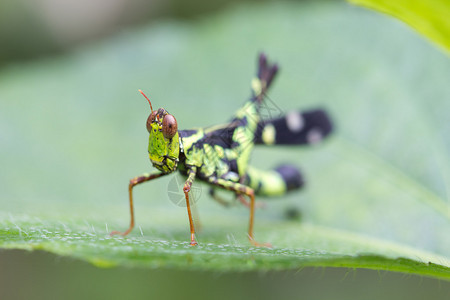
(133, 182)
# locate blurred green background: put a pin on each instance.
(33, 29)
(72, 134)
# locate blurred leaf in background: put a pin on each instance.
(40, 28)
(18, 41)
(429, 17)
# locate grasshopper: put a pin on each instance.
(219, 155)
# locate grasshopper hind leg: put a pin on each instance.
(244, 190)
(274, 182)
(228, 203)
(292, 177)
(218, 198)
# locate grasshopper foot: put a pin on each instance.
(193, 241)
(256, 244)
(120, 233)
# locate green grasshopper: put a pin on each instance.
(219, 155)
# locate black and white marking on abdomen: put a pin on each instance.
(269, 134)
(294, 121)
(314, 136)
(296, 128)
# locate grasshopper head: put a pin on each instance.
(163, 144)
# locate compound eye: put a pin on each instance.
(169, 127)
(150, 119)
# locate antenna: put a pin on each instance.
(147, 99)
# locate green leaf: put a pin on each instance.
(73, 134)
(429, 17)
